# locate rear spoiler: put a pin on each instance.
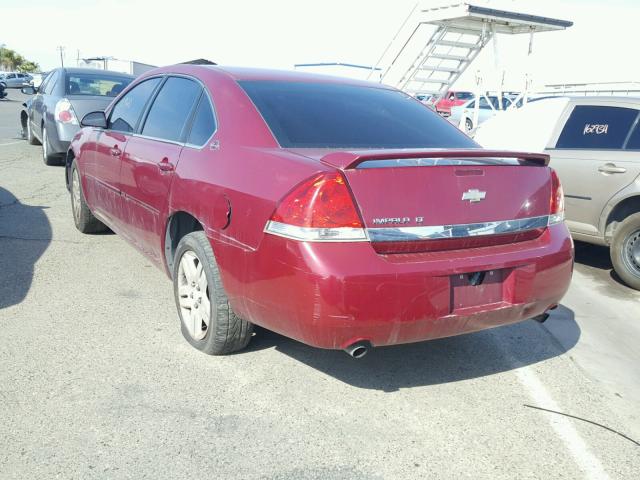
(351, 159)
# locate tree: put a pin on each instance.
(12, 60)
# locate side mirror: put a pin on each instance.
(94, 119)
(28, 90)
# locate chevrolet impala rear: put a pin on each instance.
(343, 214)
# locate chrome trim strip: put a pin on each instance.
(306, 234)
(401, 234)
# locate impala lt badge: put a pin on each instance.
(474, 195)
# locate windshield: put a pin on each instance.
(327, 115)
(464, 95)
(95, 84)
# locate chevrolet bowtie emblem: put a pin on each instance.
(474, 195)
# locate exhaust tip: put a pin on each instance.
(541, 318)
(358, 349)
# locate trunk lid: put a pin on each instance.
(83, 104)
(452, 194)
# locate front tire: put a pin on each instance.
(625, 251)
(207, 321)
(82, 216)
(468, 125)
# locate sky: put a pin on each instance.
(281, 33)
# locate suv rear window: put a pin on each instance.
(328, 115)
(92, 84)
(597, 127)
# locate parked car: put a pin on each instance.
(463, 116)
(50, 118)
(451, 99)
(15, 79)
(594, 143)
(333, 211)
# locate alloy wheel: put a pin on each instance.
(75, 195)
(631, 252)
(193, 290)
(45, 146)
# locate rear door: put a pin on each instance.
(150, 159)
(592, 161)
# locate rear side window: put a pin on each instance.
(125, 115)
(204, 123)
(170, 111)
(634, 140)
(597, 127)
(330, 115)
(51, 82)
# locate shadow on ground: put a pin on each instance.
(25, 233)
(434, 362)
(597, 259)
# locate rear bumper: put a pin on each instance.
(330, 295)
(61, 137)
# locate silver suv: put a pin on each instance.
(594, 143)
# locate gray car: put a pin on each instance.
(594, 144)
(51, 118)
(15, 79)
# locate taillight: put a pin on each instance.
(64, 112)
(319, 209)
(556, 211)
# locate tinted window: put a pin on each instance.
(596, 127)
(126, 113)
(95, 84)
(204, 123)
(170, 111)
(325, 115)
(464, 95)
(634, 139)
(483, 103)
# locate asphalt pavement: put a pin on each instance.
(96, 380)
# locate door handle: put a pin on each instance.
(115, 151)
(611, 168)
(166, 166)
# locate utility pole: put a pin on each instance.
(2, 45)
(61, 50)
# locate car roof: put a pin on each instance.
(592, 99)
(264, 74)
(96, 71)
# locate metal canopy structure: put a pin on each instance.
(423, 64)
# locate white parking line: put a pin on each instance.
(11, 143)
(585, 460)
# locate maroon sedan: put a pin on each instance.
(340, 213)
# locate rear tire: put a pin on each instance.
(82, 216)
(30, 136)
(48, 158)
(207, 321)
(625, 251)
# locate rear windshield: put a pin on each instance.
(464, 95)
(324, 115)
(95, 84)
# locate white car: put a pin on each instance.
(463, 116)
